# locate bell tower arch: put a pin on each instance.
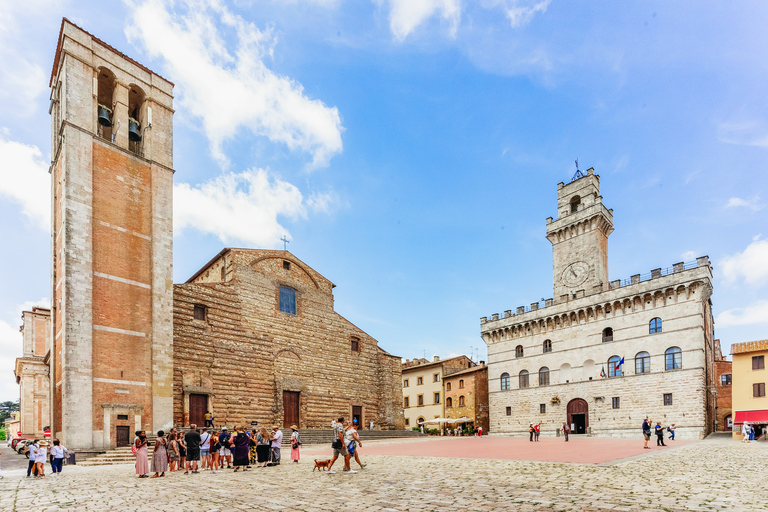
(579, 237)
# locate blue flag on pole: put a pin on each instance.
(618, 365)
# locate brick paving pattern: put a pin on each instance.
(705, 476)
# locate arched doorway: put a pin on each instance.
(578, 416)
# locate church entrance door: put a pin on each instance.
(357, 414)
(290, 409)
(197, 408)
(122, 436)
(578, 416)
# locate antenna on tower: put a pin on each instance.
(578, 174)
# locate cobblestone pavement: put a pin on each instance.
(710, 475)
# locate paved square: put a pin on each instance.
(708, 476)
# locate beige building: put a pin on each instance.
(749, 401)
(423, 394)
(466, 396)
(32, 373)
(603, 355)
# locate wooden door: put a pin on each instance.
(357, 414)
(578, 415)
(122, 436)
(290, 409)
(197, 408)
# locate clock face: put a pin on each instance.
(575, 274)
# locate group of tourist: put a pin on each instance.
(658, 430)
(749, 432)
(195, 451)
(42, 451)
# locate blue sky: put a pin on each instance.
(411, 149)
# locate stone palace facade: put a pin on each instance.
(603, 355)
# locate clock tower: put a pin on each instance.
(579, 238)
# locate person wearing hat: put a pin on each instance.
(40, 456)
(224, 452)
(295, 443)
(277, 440)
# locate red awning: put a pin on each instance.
(751, 417)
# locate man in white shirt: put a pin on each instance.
(277, 439)
(205, 447)
(32, 454)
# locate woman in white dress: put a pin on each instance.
(40, 455)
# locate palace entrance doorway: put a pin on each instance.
(578, 416)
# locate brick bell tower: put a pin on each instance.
(112, 185)
(579, 237)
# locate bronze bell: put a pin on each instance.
(103, 116)
(133, 130)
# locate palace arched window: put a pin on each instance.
(614, 367)
(519, 351)
(461, 383)
(654, 326)
(575, 202)
(547, 346)
(447, 386)
(544, 376)
(523, 379)
(504, 381)
(449, 402)
(673, 358)
(642, 362)
(461, 401)
(607, 334)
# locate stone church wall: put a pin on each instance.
(247, 352)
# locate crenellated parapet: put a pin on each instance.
(660, 287)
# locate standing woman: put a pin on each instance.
(160, 456)
(215, 448)
(173, 452)
(182, 450)
(263, 440)
(40, 455)
(240, 444)
(252, 456)
(295, 443)
(142, 463)
(57, 454)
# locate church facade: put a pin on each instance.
(603, 355)
(256, 338)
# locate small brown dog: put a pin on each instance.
(322, 465)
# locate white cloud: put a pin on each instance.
(521, 12)
(689, 255)
(24, 179)
(243, 207)
(406, 15)
(756, 313)
(746, 133)
(751, 265)
(22, 80)
(753, 204)
(10, 349)
(222, 78)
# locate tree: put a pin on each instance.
(6, 408)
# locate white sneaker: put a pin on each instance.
(351, 471)
(331, 472)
